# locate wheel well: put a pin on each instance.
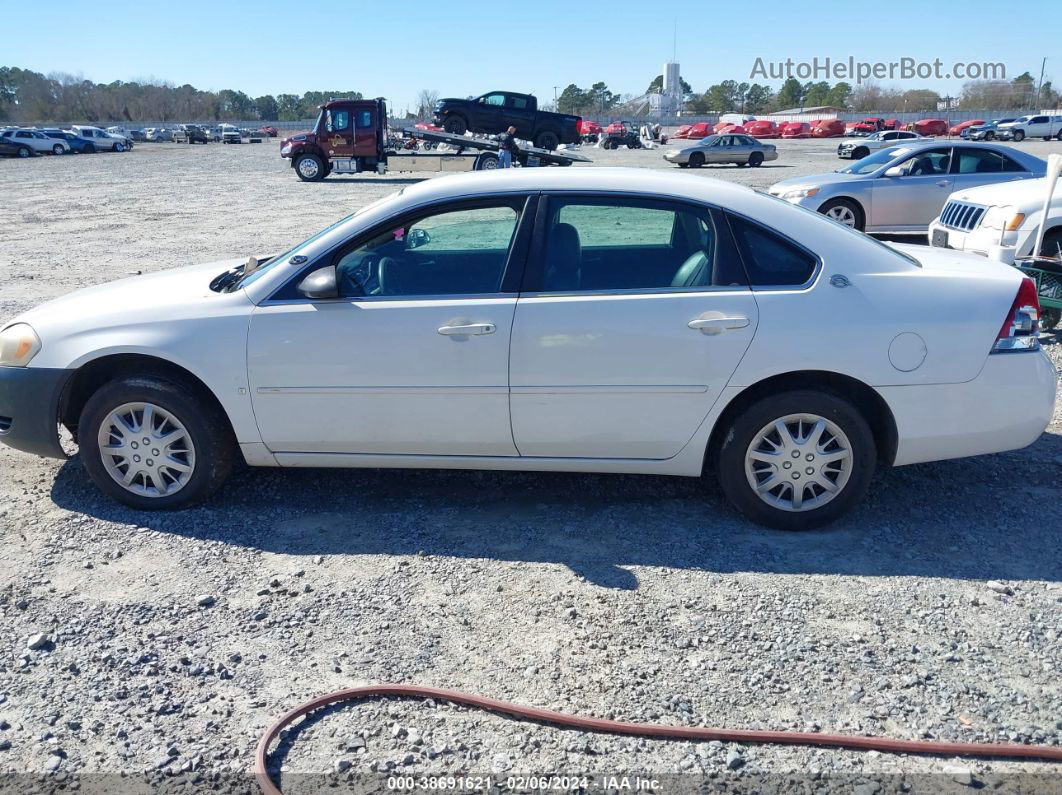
(870, 404)
(92, 375)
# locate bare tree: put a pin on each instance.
(426, 99)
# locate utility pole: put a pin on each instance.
(1040, 85)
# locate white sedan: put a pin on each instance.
(590, 320)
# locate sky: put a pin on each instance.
(463, 48)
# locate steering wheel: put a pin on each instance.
(387, 278)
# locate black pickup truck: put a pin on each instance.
(496, 111)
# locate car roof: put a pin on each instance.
(612, 180)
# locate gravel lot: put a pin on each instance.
(171, 640)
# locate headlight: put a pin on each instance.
(1002, 218)
(285, 149)
(800, 193)
(18, 344)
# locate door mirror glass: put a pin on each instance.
(417, 238)
(320, 284)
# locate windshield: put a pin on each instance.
(269, 265)
(875, 137)
(872, 163)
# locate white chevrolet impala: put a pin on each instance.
(585, 320)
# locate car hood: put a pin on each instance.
(167, 294)
(1018, 193)
(815, 180)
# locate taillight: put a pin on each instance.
(1021, 329)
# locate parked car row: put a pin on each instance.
(78, 139)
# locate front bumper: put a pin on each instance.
(29, 409)
(987, 242)
(1006, 407)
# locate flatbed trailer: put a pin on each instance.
(352, 137)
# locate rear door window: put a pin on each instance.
(628, 243)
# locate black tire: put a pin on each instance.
(1058, 136)
(57, 149)
(859, 219)
(310, 168)
(488, 161)
(860, 152)
(756, 159)
(697, 160)
(211, 438)
(25, 151)
(118, 148)
(990, 136)
(730, 459)
(1052, 244)
(547, 139)
(1019, 136)
(90, 149)
(455, 125)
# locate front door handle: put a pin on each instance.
(942, 183)
(471, 329)
(714, 323)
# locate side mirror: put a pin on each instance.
(320, 284)
(895, 171)
(417, 238)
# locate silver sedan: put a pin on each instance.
(741, 150)
(902, 188)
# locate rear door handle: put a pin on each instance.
(942, 183)
(717, 324)
(472, 329)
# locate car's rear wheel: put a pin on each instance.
(756, 159)
(455, 125)
(797, 460)
(310, 168)
(150, 443)
(844, 212)
(696, 160)
(57, 149)
(547, 140)
(25, 151)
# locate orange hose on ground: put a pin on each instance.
(884, 744)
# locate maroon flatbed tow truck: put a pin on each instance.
(351, 137)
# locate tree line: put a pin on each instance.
(30, 97)
(731, 96)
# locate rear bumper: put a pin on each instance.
(1006, 407)
(29, 409)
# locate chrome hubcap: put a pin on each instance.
(146, 450)
(798, 462)
(308, 167)
(842, 215)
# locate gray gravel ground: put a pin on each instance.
(158, 646)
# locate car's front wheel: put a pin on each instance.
(844, 212)
(57, 149)
(796, 460)
(310, 168)
(118, 148)
(1019, 136)
(25, 151)
(150, 443)
(696, 160)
